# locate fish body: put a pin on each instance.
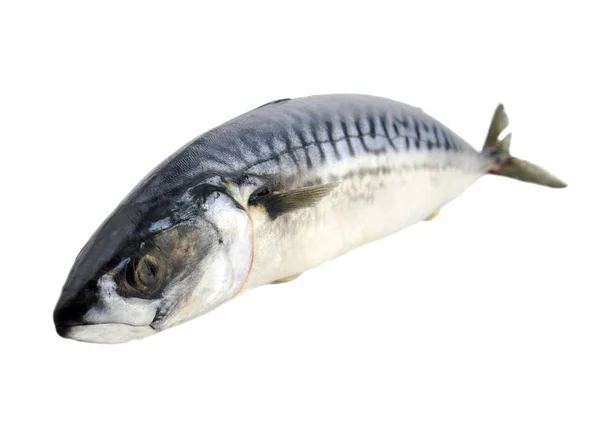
(265, 197)
(393, 165)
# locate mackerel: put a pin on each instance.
(265, 197)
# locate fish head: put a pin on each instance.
(154, 265)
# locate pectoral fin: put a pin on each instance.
(280, 202)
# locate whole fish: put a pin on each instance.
(264, 197)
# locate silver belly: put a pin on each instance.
(376, 196)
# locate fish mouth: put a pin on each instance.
(104, 333)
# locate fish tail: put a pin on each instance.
(497, 148)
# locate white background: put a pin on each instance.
(484, 322)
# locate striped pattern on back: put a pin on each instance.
(298, 135)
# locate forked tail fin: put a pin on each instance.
(497, 147)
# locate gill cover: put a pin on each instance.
(221, 270)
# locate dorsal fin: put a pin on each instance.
(274, 102)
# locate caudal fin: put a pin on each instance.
(497, 145)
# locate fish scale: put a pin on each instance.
(265, 197)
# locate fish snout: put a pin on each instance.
(71, 308)
(63, 330)
(86, 316)
(67, 315)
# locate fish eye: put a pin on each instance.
(144, 274)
